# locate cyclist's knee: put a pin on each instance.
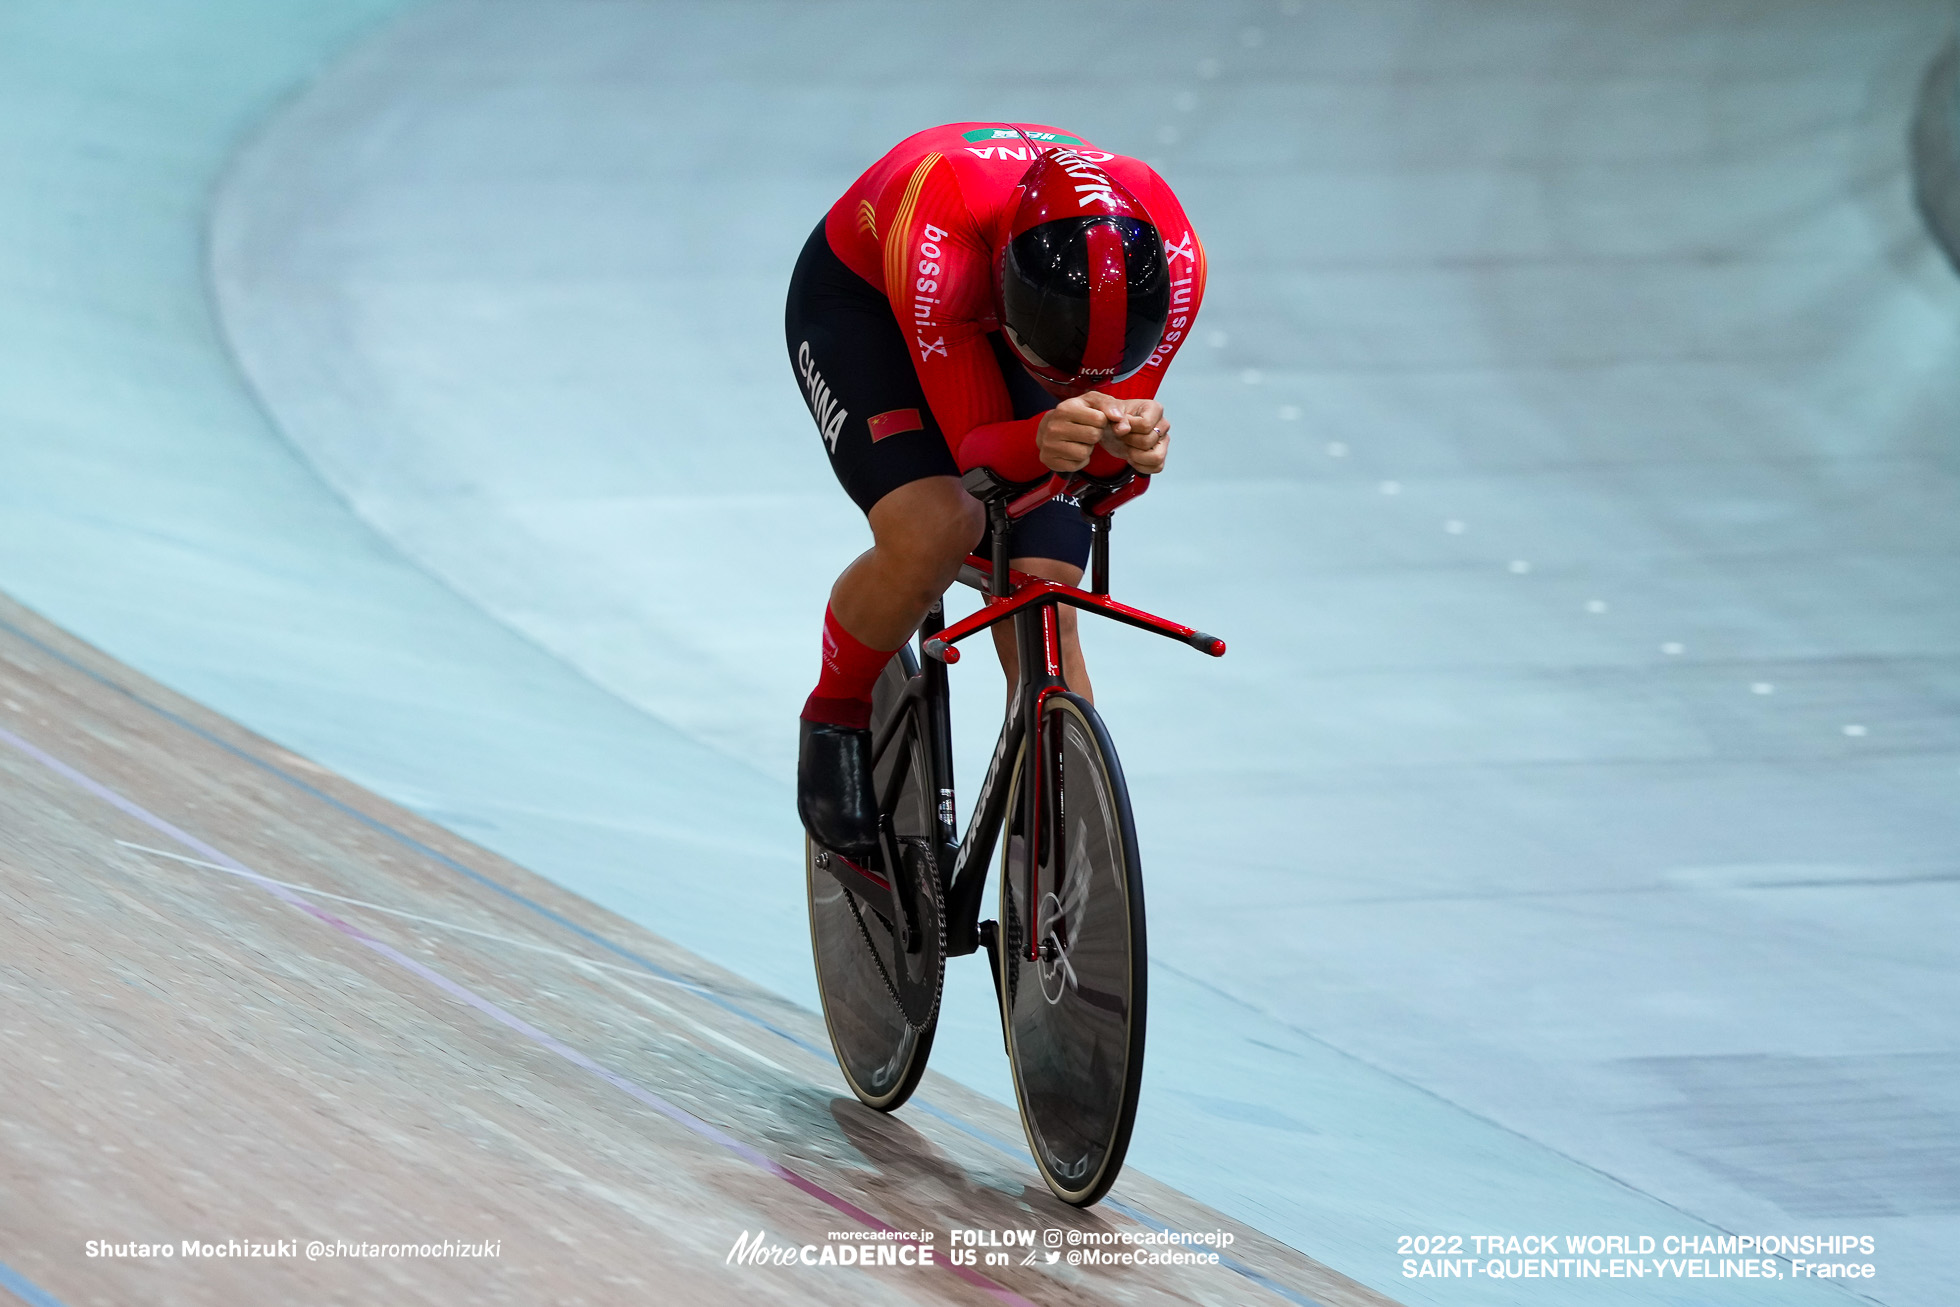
(927, 528)
(960, 528)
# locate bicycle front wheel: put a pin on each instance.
(881, 1055)
(1074, 1013)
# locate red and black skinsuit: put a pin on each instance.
(891, 319)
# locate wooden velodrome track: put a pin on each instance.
(243, 999)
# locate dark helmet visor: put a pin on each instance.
(1051, 296)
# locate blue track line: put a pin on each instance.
(25, 1289)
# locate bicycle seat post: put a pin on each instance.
(997, 520)
(1099, 554)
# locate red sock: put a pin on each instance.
(850, 669)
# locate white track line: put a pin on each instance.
(429, 921)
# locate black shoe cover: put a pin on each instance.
(834, 792)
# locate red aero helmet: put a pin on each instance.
(1081, 290)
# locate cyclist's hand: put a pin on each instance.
(1137, 433)
(1070, 431)
(1132, 429)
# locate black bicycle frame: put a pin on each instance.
(924, 709)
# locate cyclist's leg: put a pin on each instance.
(887, 451)
(921, 532)
(1052, 543)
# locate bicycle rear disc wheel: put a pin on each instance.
(881, 1055)
(1074, 1017)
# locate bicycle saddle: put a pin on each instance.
(987, 485)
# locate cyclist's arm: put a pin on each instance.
(1012, 449)
(939, 279)
(1185, 256)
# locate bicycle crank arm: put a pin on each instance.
(905, 913)
(875, 889)
(867, 884)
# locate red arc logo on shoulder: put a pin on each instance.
(895, 423)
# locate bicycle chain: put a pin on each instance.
(1010, 941)
(924, 1019)
(871, 947)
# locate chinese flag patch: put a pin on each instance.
(896, 422)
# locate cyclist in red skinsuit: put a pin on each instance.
(960, 180)
(895, 330)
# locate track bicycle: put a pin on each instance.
(1067, 950)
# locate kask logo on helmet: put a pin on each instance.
(1093, 185)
